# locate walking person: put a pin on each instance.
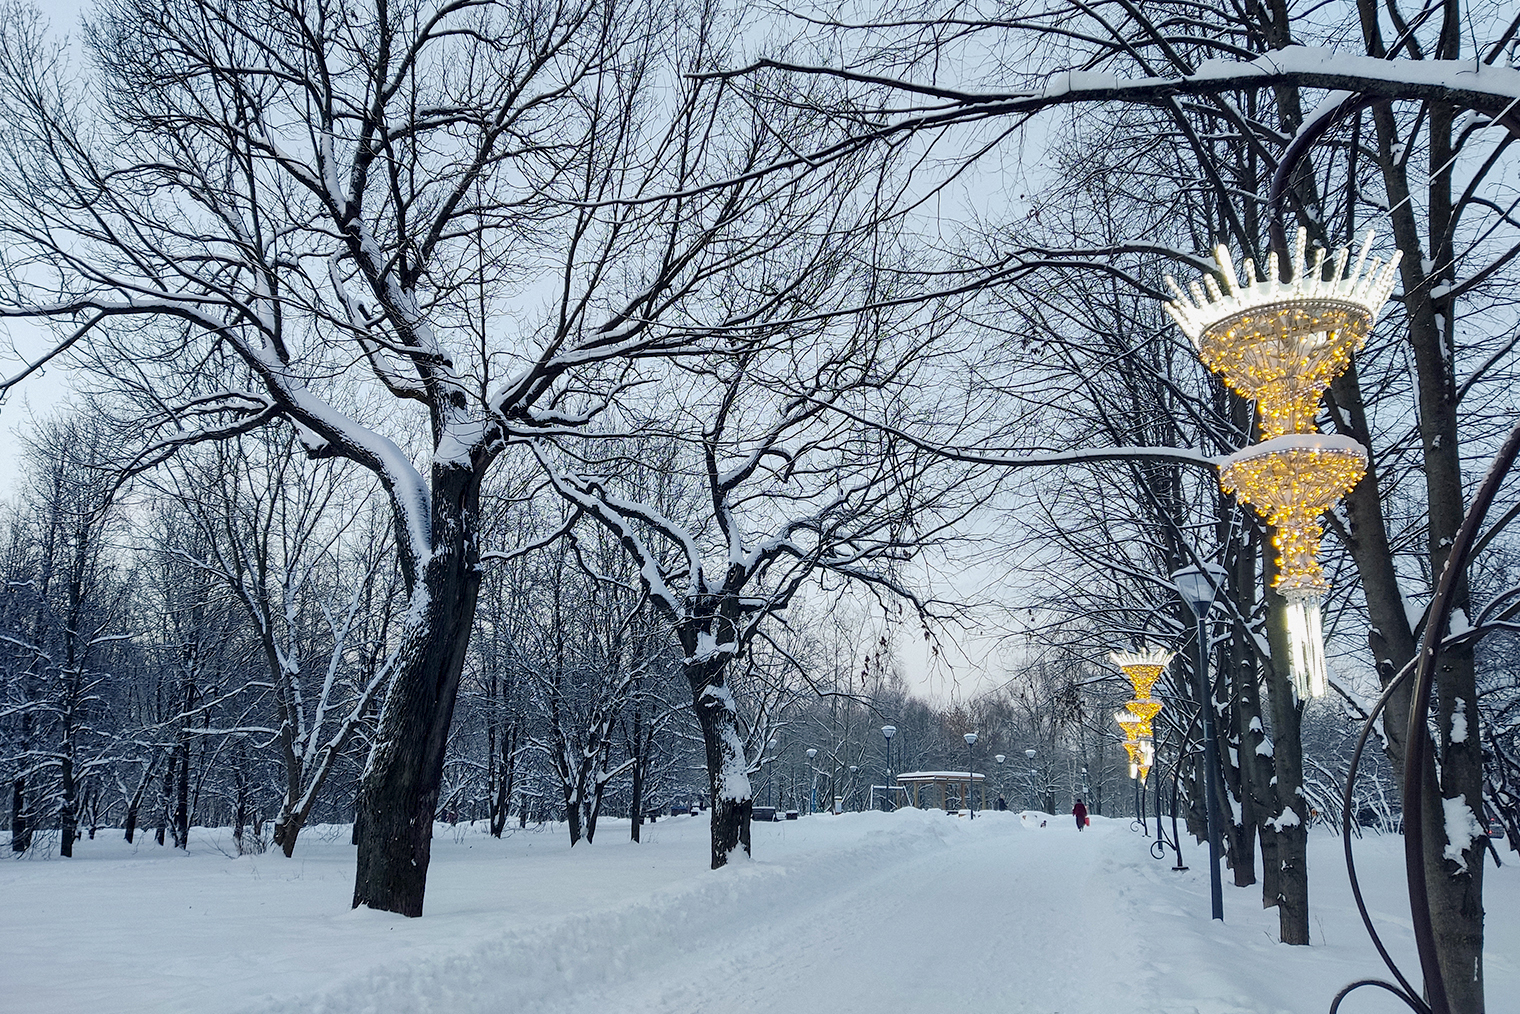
(1080, 812)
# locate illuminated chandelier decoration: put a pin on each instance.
(1143, 668)
(1139, 759)
(1281, 343)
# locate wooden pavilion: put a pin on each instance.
(939, 785)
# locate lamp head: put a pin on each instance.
(889, 731)
(1000, 757)
(1029, 753)
(1199, 585)
(812, 752)
(970, 739)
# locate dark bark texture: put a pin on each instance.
(399, 794)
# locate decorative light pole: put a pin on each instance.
(1197, 586)
(813, 793)
(888, 731)
(1000, 758)
(1281, 343)
(1300, 580)
(970, 774)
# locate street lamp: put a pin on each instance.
(1000, 758)
(1197, 586)
(771, 776)
(970, 775)
(853, 769)
(813, 794)
(888, 731)
(1033, 803)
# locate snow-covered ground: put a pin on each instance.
(915, 911)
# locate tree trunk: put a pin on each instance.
(135, 802)
(727, 779)
(505, 777)
(182, 795)
(636, 744)
(240, 809)
(68, 818)
(163, 809)
(21, 828)
(287, 828)
(400, 785)
(1256, 765)
(1248, 736)
(572, 813)
(1271, 867)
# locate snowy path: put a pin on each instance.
(928, 930)
(906, 913)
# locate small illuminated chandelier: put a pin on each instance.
(1141, 749)
(1143, 668)
(1281, 343)
(1139, 764)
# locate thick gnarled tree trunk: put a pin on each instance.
(727, 778)
(399, 790)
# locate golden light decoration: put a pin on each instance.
(1281, 343)
(1290, 481)
(1143, 667)
(1145, 710)
(1140, 757)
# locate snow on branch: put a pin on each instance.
(1489, 87)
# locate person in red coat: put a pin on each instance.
(1080, 812)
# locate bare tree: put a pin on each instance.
(63, 603)
(781, 487)
(290, 544)
(266, 206)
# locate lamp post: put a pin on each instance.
(853, 769)
(813, 793)
(1033, 803)
(770, 775)
(1000, 758)
(1197, 586)
(888, 731)
(970, 775)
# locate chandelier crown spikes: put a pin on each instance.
(1145, 656)
(1210, 305)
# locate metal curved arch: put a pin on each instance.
(1415, 746)
(1410, 1001)
(1346, 809)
